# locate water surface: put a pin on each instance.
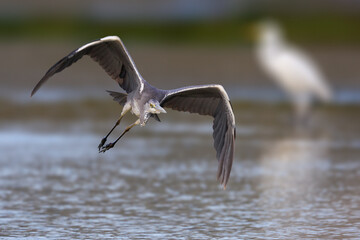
(159, 182)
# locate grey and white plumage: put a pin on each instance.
(145, 101)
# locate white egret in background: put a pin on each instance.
(290, 68)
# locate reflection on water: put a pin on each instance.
(296, 158)
(160, 181)
(294, 169)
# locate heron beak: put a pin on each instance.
(160, 109)
(253, 32)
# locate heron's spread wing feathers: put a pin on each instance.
(121, 98)
(209, 100)
(111, 55)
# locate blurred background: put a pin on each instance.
(287, 180)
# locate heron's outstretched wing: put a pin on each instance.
(112, 56)
(209, 100)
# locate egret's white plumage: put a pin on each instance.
(290, 68)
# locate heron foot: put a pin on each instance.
(103, 141)
(106, 147)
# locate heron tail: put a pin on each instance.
(156, 117)
(121, 98)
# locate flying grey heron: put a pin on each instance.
(145, 101)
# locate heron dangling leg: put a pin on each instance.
(103, 141)
(111, 145)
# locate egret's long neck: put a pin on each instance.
(271, 42)
(270, 45)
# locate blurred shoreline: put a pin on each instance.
(167, 67)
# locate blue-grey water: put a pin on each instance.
(289, 181)
(159, 182)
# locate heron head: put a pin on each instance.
(270, 32)
(154, 107)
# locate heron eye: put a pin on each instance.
(152, 105)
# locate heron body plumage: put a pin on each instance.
(145, 100)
